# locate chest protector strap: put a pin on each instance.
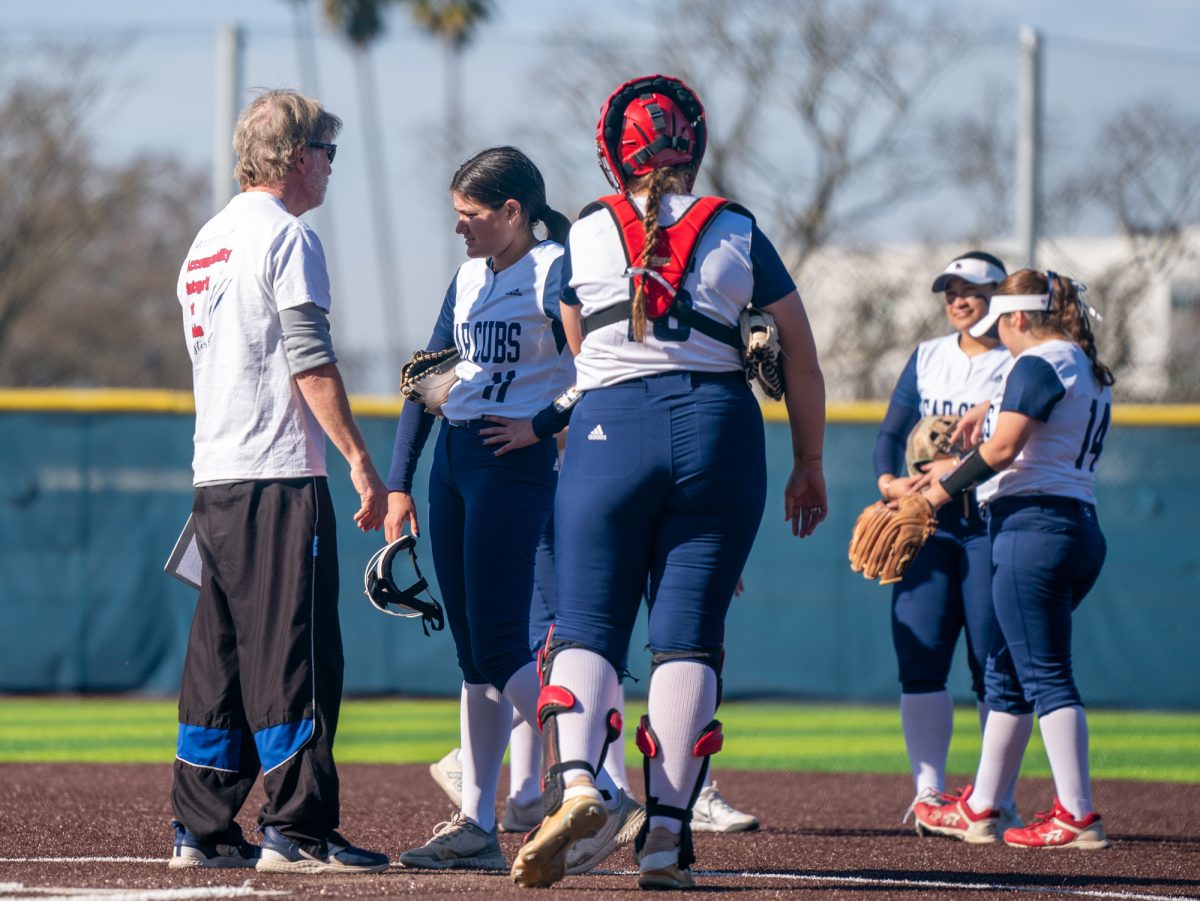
(664, 279)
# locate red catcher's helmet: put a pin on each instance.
(648, 123)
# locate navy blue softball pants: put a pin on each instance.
(486, 514)
(947, 588)
(1046, 556)
(661, 494)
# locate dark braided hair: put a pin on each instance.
(1066, 315)
(659, 183)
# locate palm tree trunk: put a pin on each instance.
(387, 249)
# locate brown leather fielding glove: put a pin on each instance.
(929, 440)
(887, 537)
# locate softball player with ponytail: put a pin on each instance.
(491, 486)
(664, 479)
(1035, 471)
(947, 590)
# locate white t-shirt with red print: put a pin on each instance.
(250, 261)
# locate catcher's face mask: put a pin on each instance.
(384, 594)
(648, 123)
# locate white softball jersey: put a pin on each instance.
(721, 285)
(950, 382)
(1052, 383)
(250, 261)
(514, 356)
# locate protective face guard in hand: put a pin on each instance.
(383, 593)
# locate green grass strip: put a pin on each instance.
(1140, 745)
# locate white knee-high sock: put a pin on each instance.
(522, 689)
(525, 742)
(524, 762)
(614, 760)
(1065, 735)
(485, 720)
(1004, 739)
(593, 682)
(682, 701)
(928, 722)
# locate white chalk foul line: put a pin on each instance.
(70, 893)
(241, 891)
(962, 886)
(924, 884)
(160, 860)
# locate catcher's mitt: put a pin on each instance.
(761, 353)
(886, 539)
(930, 440)
(428, 377)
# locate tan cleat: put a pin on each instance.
(658, 864)
(542, 859)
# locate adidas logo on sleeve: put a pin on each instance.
(597, 434)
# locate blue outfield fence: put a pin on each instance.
(96, 488)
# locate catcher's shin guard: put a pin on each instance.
(709, 742)
(553, 700)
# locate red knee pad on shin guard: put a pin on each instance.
(553, 699)
(615, 725)
(711, 740)
(647, 741)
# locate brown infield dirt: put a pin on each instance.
(823, 835)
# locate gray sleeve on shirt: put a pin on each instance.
(306, 337)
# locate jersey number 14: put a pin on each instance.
(1093, 442)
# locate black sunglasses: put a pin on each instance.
(331, 149)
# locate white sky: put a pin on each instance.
(164, 100)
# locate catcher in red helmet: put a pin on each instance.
(663, 483)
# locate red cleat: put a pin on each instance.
(1056, 828)
(951, 816)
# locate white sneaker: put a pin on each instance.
(447, 773)
(712, 813)
(458, 843)
(621, 827)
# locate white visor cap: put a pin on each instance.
(1009, 303)
(971, 269)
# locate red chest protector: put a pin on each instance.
(670, 263)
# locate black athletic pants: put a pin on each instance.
(262, 682)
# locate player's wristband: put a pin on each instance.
(970, 471)
(557, 415)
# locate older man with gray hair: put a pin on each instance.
(262, 682)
